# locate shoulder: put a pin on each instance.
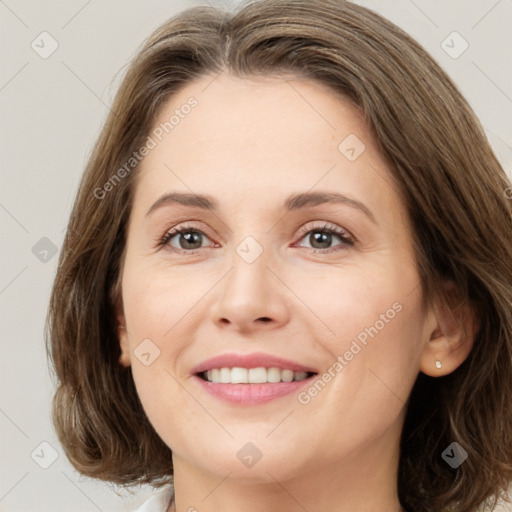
(159, 501)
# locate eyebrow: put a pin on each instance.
(294, 202)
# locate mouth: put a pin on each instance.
(251, 379)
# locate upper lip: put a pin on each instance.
(254, 360)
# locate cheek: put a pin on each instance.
(155, 300)
(372, 363)
(160, 319)
(358, 303)
(374, 321)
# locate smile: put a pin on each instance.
(250, 379)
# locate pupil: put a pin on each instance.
(189, 239)
(322, 238)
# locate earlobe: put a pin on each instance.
(122, 336)
(116, 298)
(452, 334)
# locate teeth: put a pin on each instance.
(239, 376)
(258, 375)
(287, 375)
(273, 375)
(225, 376)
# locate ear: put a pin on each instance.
(122, 332)
(452, 332)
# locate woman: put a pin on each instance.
(286, 283)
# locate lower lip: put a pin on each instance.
(251, 394)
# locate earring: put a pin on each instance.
(438, 364)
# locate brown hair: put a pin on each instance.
(450, 181)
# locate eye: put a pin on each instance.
(321, 238)
(190, 239)
(187, 238)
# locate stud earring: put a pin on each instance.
(438, 364)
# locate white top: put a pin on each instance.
(159, 501)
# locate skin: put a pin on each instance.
(250, 143)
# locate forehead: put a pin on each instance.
(260, 138)
(296, 117)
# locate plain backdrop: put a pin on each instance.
(51, 112)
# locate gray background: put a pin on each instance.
(51, 112)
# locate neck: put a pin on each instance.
(362, 482)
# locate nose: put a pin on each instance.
(251, 298)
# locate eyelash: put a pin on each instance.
(326, 228)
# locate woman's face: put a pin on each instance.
(306, 256)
